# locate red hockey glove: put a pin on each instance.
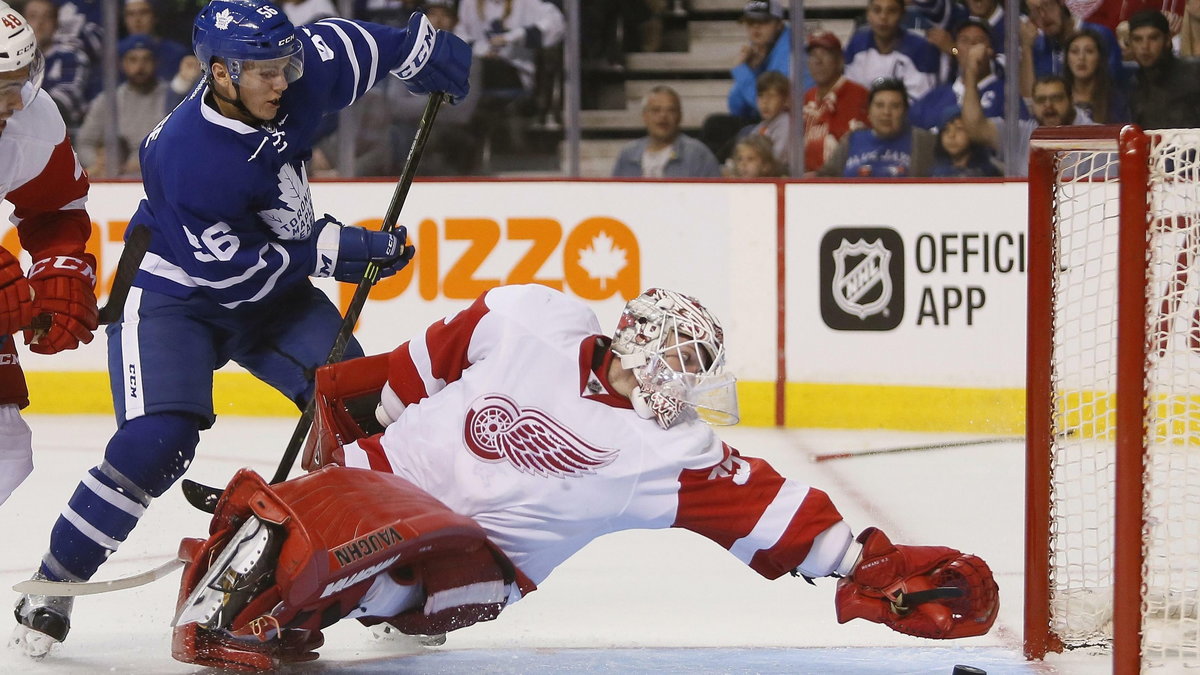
(63, 288)
(16, 301)
(927, 591)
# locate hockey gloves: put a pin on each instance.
(16, 301)
(63, 287)
(344, 251)
(927, 591)
(434, 60)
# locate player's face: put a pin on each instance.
(771, 102)
(1083, 58)
(883, 16)
(886, 113)
(1147, 44)
(662, 117)
(11, 101)
(262, 84)
(825, 65)
(681, 358)
(1051, 104)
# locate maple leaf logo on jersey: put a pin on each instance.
(223, 19)
(497, 429)
(294, 218)
(603, 259)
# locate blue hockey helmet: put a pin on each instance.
(237, 31)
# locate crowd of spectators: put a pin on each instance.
(920, 90)
(916, 90)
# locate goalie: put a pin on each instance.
(514, 433)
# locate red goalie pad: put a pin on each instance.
(927, 591)
(345, 394)
(341, 528)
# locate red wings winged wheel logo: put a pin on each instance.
(498, 429)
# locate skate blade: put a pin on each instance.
(208, 598)
(31, 643)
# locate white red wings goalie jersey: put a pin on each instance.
(506, 416)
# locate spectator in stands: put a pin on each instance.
(1166, 92)
(753, 157)
(1092, 88)
(833, 107)
(665, 152)
(140, 18)
(884, 49)
(66, 69)
(505, 35)
(891, 148)
(956, 156)
(1052, 107)
(79, 24)
(1046, 53)
(774, 97)
(387, 12)
(183, 83)
(140, 102)
(768, 48)
(945, 101)
(300, 12)
(1189, 30)
(949, 15)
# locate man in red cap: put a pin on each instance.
(834, 106)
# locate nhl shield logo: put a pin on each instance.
(868, 268)
(862, 278)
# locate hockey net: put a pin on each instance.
(1113, 396)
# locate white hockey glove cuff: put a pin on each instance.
(834, 551)
(328, 246)
(390, 406)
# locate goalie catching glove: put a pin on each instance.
(344, 251)
(63, 288)
(926, 591)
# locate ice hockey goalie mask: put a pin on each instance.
(675, 348)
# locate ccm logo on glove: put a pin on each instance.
(64, 263)
(420, 52)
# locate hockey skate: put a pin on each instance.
(42, 622)
(243, 570)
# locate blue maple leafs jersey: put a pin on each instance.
(228, 203)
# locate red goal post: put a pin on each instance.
(1113, 395)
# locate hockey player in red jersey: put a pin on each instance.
(42, 179)
(514, 433)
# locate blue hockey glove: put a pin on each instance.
(343, 251)
(435, 60)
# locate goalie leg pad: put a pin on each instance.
(964, 598)
(341, 527)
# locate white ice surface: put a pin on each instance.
(629, 602)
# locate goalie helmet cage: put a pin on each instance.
(1113, 396)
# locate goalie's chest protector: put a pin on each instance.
(521, 444)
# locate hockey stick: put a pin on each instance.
(204, 497)
(916, 448)
(74, 588)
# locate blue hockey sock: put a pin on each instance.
(143, 459)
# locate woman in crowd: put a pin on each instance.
(1092, 87)
(955, 156)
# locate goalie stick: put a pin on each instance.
(75, 588)
(205, 497)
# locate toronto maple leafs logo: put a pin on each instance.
(497, 430)
(293, 217)
(223, 19)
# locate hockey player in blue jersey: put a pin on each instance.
(234, 243)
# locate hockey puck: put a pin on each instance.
(968, 670)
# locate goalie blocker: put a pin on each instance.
(293, 558)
